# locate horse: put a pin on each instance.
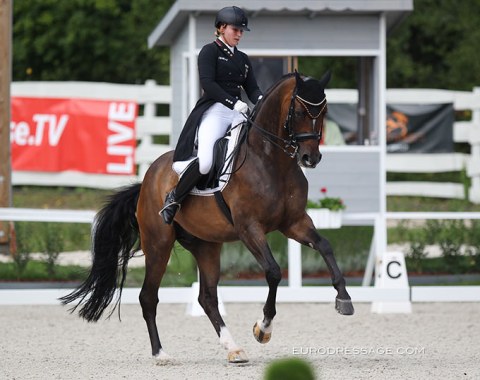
(266, 192)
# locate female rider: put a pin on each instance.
(223, 71)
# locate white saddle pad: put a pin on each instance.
(180, 166)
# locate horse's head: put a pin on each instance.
(305, 118)
(297, 128)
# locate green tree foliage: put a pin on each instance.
(344, 69)
(106, 40)
(88, 40)
(436, 47)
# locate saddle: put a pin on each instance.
(224, 153)
(212, 179)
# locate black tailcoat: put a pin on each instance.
(222, 75)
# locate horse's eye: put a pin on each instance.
(299, 114)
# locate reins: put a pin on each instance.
(271, 136)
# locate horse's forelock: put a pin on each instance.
(311, 90)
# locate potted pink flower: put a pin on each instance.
(327, 211)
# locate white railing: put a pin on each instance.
(149, 124)
(293, 292)
(463, 132)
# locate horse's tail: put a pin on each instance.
(114, 234)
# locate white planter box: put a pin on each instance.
(325, 218)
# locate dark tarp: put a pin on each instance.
(419, 128)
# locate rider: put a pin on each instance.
(223, 71)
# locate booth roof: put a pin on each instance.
(177, 16)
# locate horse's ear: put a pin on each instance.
(325, 79)
(298, 78)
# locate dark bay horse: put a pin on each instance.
(267, 192)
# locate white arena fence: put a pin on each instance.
(463, 132)
(293, 292)
(148, 125)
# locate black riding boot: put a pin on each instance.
(175, 197)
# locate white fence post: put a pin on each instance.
(294, 264)
(146, 140)
(473, 168)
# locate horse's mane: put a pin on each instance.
(278, 83)
(307, 89)
(272, 88)
(251, 120)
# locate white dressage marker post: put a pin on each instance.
(193, 307)
(392, 274)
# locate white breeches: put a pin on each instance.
(214, 125)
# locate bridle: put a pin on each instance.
(290, 145)
(294, 138)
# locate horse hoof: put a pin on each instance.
(260, 335)
(344, 307)
(237, 356)
(162, 358)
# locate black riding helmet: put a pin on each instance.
(232, 16)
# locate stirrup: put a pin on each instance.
(170, 208)
(168, 212)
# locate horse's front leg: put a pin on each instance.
(256, 242)
(305, 233)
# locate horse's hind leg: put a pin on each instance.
(157, 249)
(208, 259)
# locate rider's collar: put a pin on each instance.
(231, 48)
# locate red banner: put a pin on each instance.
(92, 136)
